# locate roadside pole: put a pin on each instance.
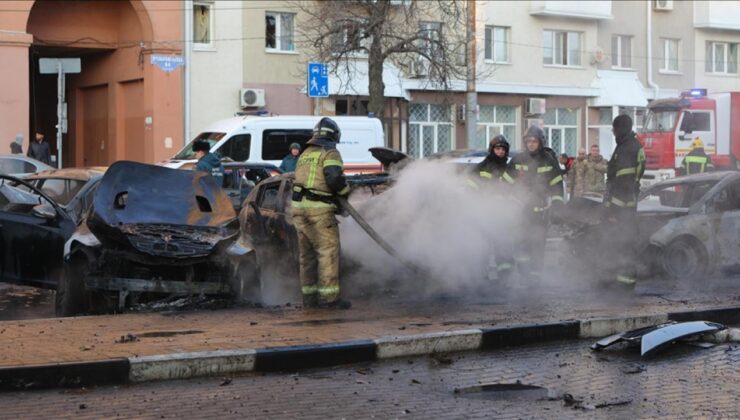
(471, 108)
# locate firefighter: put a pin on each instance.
(623, 174)
(319, 176)
(494, 168)
(697, 161)
(539, 186)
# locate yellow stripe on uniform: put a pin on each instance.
(556, 180)
(484, 174)
(543, 169)
(331, 162)
(506, 177)
(627, 171)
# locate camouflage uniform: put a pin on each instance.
(588, 176)
(314, 220)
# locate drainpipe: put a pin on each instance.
(650, 50)
(187, 47)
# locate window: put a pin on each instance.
(202, 24)
(276, 143)
(279, 31)
(561, 48)
(670, 55)
(637, 114)
(236, 148)
(430, 129)
(621, 51)
(211, 137)
(561, 129)
(497, 44)
(269, 196)
(431, 35)
(721, 57)
(494, 120)
(350, 37)
(16, 166)
(660, 120)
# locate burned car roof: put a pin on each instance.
(79, 174)
(134, 193)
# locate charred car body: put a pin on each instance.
(152, 231)
(687, 226)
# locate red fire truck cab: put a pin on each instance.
(672, 124)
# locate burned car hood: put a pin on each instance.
(387, 156)
(161, 211)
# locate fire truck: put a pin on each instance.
(672, 124)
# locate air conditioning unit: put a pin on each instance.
(535, 106)
(406, 3)
(662, 4)
(419, 68)
(539, 122)
(461, 112)
(249, 97)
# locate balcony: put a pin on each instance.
(717, 15)
(576, 9)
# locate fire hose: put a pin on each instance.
(376, 237)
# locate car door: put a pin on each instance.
(726, 216)
(33, 245)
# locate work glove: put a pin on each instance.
(340, 209)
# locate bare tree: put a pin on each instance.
(427, 38)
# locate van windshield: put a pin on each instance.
(187, 151)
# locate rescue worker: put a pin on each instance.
(696, 161)
(208, 162)
(319, 176)
(493, 171)
(289, 162)
(539, 186)
(623, 175)
(39, 149)
(494, 168)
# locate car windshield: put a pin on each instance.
(187, 151)
(660, 120)
(677, 196)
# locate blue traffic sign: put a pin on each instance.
(318, 80)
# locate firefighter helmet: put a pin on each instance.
(697, 143)
(327, 129)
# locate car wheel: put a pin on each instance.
(684, 258)
(71, 297)
(245, 284)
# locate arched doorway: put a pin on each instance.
(113, 105)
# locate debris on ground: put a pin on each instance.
(128, 338)
(225, 381)
(576, 404)
(440, 360)
(633, 369)
(653, 338)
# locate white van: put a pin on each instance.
(267, 139)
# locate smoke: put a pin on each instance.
(435, 220)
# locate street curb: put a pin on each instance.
(292, 358)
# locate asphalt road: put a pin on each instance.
(682, 382)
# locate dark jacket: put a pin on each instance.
(40, 151)
(211, 163)
(624, 172)
(16, 148)
(288, 164)
(492, 169)
(696, 162)
(538, 177)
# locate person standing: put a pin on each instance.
(588, 173)
(696, 161)
(319, 177)
(623, 175)
(39, 149)
(289, 162)
(493, 169)
(539, 186)
(16, 147)
(208, 162)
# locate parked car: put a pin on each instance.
(20, 166)
(38, 215)
(241, 177)
(153, 232)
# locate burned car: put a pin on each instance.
(241, 177)
(152, 231)
(687, 226)
(38, 215)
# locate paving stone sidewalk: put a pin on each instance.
(43, 341)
